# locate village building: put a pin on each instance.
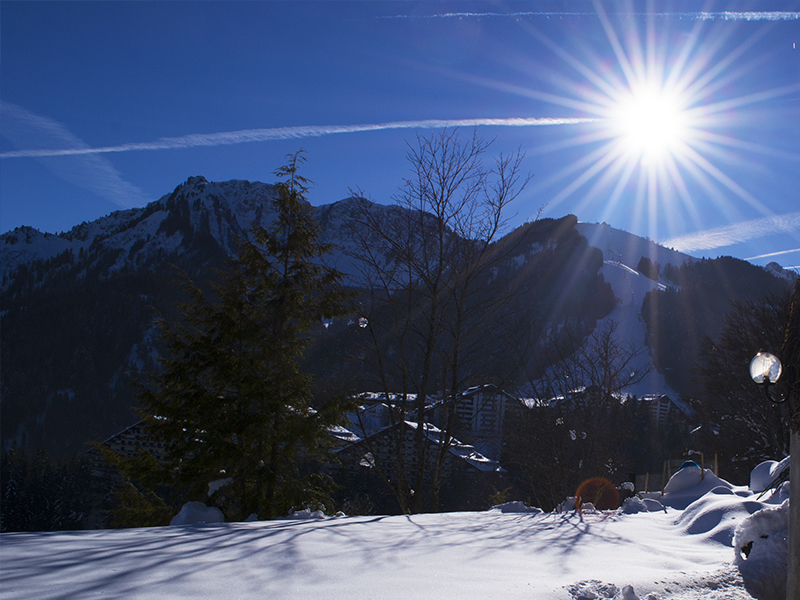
(367, 456)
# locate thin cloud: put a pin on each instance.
(733, 234)
(25, 129)
(282, 133)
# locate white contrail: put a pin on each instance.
(734, 234)
(283, 133)
(698, 16)
(745, 16)
(770, 254)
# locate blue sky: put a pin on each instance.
(679, 121)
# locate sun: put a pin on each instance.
(650, 123)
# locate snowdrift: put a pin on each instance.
(690, 543)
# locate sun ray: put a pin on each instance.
(684, 194)
(726, 181)
(728, 141)
(707, 185)
(616, 46)
(599, 159)
(608, 175)
(627, 169)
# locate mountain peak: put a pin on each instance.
(197, 181)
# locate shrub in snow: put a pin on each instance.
(635, 505)
(761, 547)
(567, 505)
(765, 473)
(217, 484)
(654, 505)
(515, 507)
(626, 490)
(197, 512)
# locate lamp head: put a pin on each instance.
(765, 368)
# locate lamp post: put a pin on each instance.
(790, 352)
(766, 369)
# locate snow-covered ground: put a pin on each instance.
(677, 546)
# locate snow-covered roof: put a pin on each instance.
(433, 434)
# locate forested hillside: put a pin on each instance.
(78, 308)
(696, 306)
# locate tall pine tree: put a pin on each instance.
(232, 405)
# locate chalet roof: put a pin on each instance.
(433, 434)
(678, 403)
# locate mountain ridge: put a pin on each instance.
(79, 307)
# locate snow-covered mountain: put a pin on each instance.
(221, 210)
(77, 307)
(622, 252)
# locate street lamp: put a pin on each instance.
(765, 370)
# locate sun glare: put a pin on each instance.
(650, 123)
(659, 106)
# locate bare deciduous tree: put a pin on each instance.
(425, 262)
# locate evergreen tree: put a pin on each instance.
(232, 405)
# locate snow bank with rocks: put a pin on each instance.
(761, 545)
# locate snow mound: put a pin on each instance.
(689, 484)
(714, 516)
(197, 512)
(761, 550)
(765, 473)
(686, 477)
(515, 507)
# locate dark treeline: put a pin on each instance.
(678, 319)
(550, 450)
(40, 494)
